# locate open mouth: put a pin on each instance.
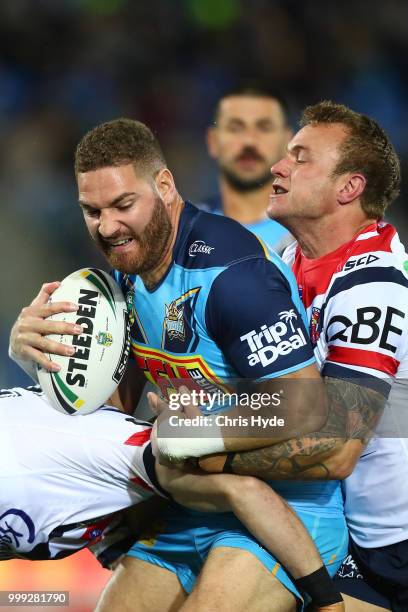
(278, 189)
(120, 242)
(117, 245)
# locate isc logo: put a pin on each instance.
(364, 260)
(368, 326)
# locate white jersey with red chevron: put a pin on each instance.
(62, 478)
(357, 304)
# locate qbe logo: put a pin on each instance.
(275, 340)
(368, 325)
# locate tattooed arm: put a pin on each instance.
(330, 453)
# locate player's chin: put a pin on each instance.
(213, 463)
(127, 263)
(274, 209)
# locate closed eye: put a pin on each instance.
(126, 206)
(90, 212)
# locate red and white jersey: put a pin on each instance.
(62, 478)
(357, 304)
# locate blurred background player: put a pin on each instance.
(249, 134)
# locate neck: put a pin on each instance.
(154, 276)
(245, 206)
(318, 238)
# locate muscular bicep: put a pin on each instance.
(354, 410)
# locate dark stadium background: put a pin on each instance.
(66, 65)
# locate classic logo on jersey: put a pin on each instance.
(104, 338)
(367, 326)
(174, 321)
(275, 340)
(169, 372)
(364, 260)
(314, 325)
(199, 246)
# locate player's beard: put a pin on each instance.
(151, 244)
(238, 181)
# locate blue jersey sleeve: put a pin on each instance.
(251, 315)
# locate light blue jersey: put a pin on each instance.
(269, 231)
(207, 320)
(228, 308)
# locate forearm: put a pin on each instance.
(306, 458)
(330, 453)
(194, 489)
(253, 503)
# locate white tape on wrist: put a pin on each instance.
(179, 448)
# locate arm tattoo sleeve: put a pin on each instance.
(353, 412)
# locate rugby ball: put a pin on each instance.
(88, 378)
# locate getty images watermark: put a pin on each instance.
(283, 408)
(219, 399)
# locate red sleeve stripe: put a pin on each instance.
(139, 438)
(365, 359)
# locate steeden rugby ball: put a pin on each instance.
(88, 378)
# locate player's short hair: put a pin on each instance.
(367, 149)
(117, 143)
(254, 90)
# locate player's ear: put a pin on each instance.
(212, 145)
(351, 188)
(165, 185)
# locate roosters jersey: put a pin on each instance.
(357, 305)
(62, 479)
(227, 309)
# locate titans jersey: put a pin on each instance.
(269, 231)
(228, 308)
(62, 479)
(356, 300)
